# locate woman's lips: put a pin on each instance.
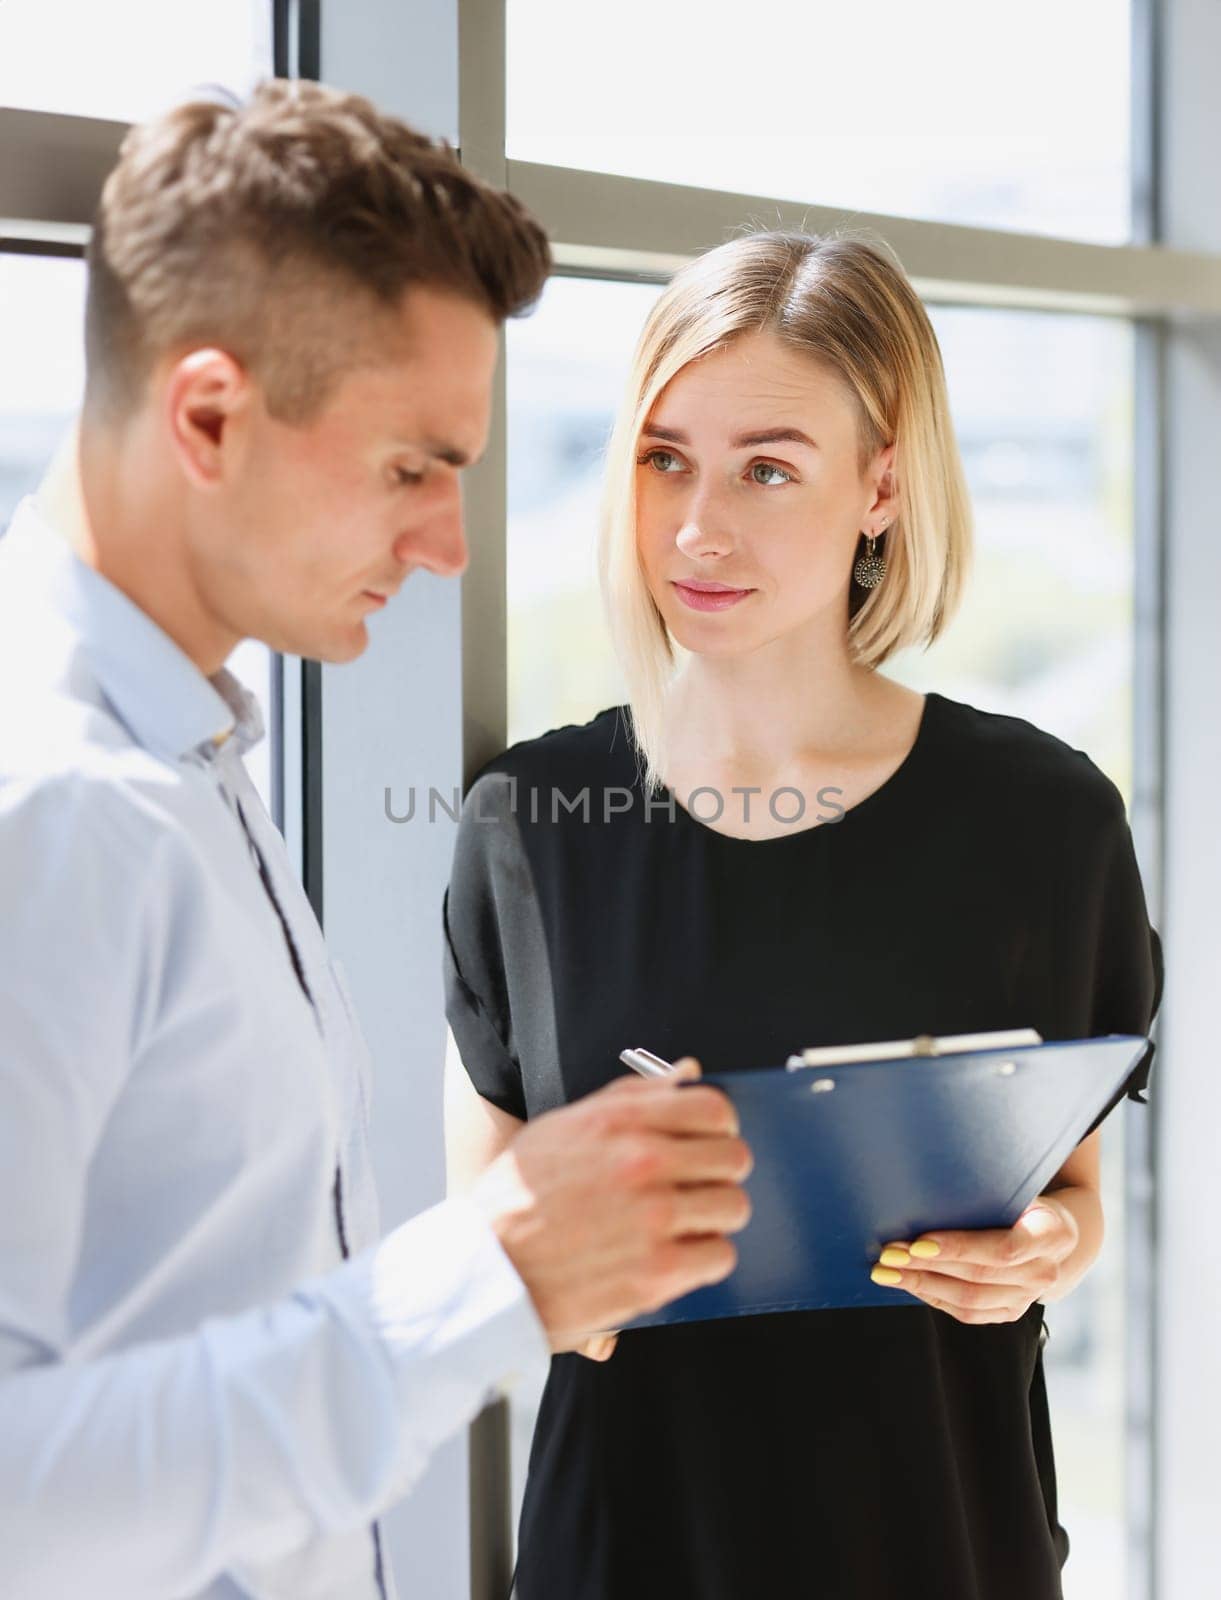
(710, 597)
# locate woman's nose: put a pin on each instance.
(703, 533)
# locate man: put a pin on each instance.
(213, 1375)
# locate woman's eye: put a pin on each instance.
(403, 476)
(661, 460)
(759, 473)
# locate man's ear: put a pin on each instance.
(208, 397)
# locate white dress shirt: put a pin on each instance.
(199, 1396)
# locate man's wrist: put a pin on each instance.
(473, 1290)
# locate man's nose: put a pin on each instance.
(438, 541)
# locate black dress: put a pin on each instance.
(840, 1455)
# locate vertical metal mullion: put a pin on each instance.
(481, 139)
(277, 722)
(296, 53)
(481, 134)
(1146, 123)
(311, 785)
(304, 60)
(1141, 1211)
(281, 37)
(297, 38)
(1141, 1227)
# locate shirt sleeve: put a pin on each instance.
(1128, 969)
(488, 888)
(158, 1468)
(153, 1469)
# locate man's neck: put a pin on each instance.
(61, 503)
(84, 509)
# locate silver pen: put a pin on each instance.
(646, 1063)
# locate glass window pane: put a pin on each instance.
(41, 381)
(956, 111)
(128, 59)
(42, 375)
(1043, 410)
(566, 369)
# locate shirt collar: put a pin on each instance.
(171, 708)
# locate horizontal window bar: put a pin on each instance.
(54, 165)
(633, 227)
(21, 237)
(612, 226)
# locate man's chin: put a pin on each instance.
(355, 644)
(337, 646)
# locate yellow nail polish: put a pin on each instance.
(926, 1249)
(885, 1276)
(893, 1256)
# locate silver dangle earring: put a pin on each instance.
(871, 569)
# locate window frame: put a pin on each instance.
(632, 229)
(609, 226)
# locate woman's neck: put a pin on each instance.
(763, 714)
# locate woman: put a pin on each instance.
(779, 846)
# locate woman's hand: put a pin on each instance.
(599, 1346)
(988, 1275)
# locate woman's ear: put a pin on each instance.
(884, 481)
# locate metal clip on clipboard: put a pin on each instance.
(924, 1044)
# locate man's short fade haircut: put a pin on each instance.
(280, 230)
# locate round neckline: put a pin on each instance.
(886, 789)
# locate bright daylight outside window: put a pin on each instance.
(955, 111)
(1043, 410)
(127, 59)
(42, 297)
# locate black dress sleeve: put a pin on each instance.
(478, 911)
(1128, 970)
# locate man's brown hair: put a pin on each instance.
(260, 228)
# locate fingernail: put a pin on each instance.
(926, 1249)
(892, 1256)
(886, 1277)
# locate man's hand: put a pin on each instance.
(620, 1203)
(987, 1275)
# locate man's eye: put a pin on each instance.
(760, 470)
(403, 476)
(664, 461)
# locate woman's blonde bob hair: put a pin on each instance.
(846, 302)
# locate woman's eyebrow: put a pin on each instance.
(741, 442)
(773, 436)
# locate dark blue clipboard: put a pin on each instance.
(850, 1157)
